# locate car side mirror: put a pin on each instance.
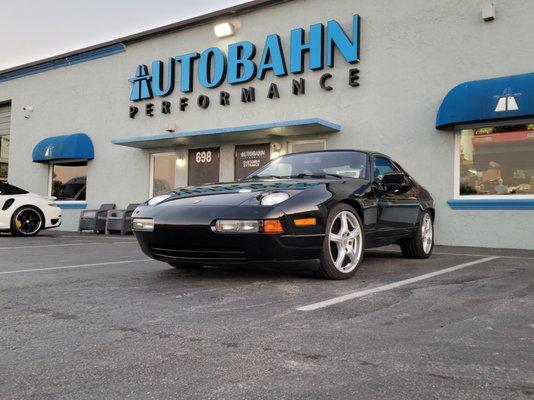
(393, 178)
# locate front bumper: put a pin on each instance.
(201, 245)
(53, 217)
(185, 235)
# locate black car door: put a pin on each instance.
(398, 207)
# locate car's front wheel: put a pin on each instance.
(26, 221)
(421, 245)
(343, 244)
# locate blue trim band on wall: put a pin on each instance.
(492, 204)
(64, 62)
(79, 205)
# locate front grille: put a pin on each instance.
(199, 254)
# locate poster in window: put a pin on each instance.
(248, 158)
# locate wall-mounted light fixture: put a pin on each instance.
(224, 29)
(276, 150)
(180, 162)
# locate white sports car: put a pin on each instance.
(24, 213)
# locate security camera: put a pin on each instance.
(276, 146)
(28, 108)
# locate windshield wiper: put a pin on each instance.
(317, 175)
(266, 177)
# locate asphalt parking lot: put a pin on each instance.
(87, 317)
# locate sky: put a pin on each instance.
(34, 29)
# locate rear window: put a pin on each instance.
(7, 189)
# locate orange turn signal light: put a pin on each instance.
(272, 226)
(305, 221)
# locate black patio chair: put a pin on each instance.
(120, 220)
(94, 220)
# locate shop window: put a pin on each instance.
(165, 168)
(69, 181)
(496, 161)
(4, 156)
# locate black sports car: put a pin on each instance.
(326, 205)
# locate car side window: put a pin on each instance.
(382, 166)
(7, 189)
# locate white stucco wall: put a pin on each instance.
(412, 53)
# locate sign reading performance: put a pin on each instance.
(242, 63)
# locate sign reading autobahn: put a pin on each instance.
(239, 65)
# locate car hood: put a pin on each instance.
(236, 193)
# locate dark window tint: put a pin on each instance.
(382, 166)
(69, 182)
(6, 189)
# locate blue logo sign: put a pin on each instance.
(507, 101)
(141, 87)
(238, 65)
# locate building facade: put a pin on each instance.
(445, 92)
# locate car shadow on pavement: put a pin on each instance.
(302, 270)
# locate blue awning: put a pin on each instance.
(244, 132)
(72, 148)
(488, 99)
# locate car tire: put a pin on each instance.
(26, 221)
(178, 265)
(422, 244)
(343, 244)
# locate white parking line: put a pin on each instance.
(443, 253)
(20, 271)
(62, 245)
(355, 295)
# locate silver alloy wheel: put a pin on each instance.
(346, 241)
(28, 221)
(427, 233)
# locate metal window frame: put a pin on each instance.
(74, 203)
(456, 178)
(152, 166)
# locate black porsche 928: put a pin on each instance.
(326, 205)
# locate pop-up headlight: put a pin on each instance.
(272, 199)
(158, 199)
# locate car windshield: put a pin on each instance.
(6, 189)
(341, 164)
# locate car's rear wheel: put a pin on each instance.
(421, 245)
(179, 265)
(343, 244)
(26, 221)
